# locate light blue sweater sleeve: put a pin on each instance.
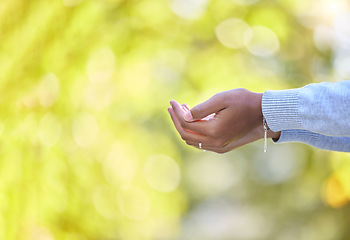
(321, 110)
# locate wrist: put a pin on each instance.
(270, 134)
(257, 109)
(274, 135)
(256, 100)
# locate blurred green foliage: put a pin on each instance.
(88, 150)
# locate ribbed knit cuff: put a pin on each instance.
(341, 144)
(298, 136)
(280, 109)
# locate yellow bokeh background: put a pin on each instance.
(88, 150)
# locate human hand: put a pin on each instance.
(224, 122)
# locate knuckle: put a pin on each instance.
(223, 97)
(239, 90)
(219, 96)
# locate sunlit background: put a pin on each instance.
(88, 150)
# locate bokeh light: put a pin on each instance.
(230, 32)
(119, 167)
(210, 175)
(280, 164)
(49, 129)
(134, 203)
(48, 90)
(162, 173)
(189, 9)
(85, 129)
(261, 41)
(245, 2)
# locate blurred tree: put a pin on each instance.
(87, 148)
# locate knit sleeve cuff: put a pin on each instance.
(280, 109)
(298, 136)
(341, 144)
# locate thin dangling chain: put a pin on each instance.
(266, 128)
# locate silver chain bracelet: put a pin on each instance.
(266, 128)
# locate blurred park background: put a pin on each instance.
(88, 150)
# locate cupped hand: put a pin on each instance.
(226, 121)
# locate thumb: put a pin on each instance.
(202, 110)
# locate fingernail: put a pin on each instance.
(188, 116)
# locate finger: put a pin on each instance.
(200, 127)
(185, 107)
(223, 149)
(205, 145)
(202, 110)
(185, 135)
(252, 136)
(209, 148)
